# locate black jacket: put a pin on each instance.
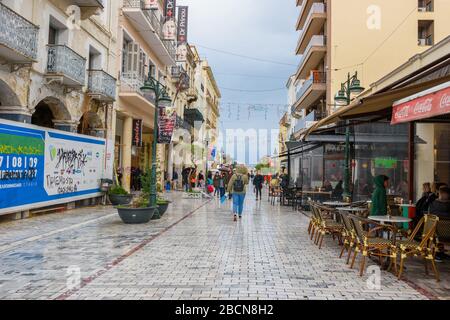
(258, 181)
(440, 208)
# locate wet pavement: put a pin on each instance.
(195, 251)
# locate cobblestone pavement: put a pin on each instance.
(195, 251)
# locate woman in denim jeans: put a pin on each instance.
(239, 178)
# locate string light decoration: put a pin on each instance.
(253, 109)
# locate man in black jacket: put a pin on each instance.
(258, 181)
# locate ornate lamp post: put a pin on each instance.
(343, 98)
(156, 91)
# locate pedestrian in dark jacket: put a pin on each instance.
(441, 206)
(379, 199)
(258, 181)
(216, 182)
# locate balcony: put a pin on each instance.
(88, 8)
(18, 37)
(192, 115)
(309, 120)
(314, 53)
(313, 25)
(101, 86)
(65, 66)
(131, 95)
(176, 72)
(149, 26)
(305, 8)
(311, 90)
(285, 120)
(183, 124)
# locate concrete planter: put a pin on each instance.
(120, 199)
(162, 208)
(136, 215)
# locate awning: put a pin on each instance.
(376, 104)
(362, 138)
(426, 104)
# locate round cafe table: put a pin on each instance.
(392, 220)
(351, 209)
(336, 204)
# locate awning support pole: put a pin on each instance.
(411, 158)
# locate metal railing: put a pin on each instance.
(315, 77)
(133, 81)
(18, 33)
(65, 61)
(102, 83)
(181, 123)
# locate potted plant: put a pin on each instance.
(117, 195)
(138, 212)
(163, 205)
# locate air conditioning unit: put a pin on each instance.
(422, 42)
(422, 9)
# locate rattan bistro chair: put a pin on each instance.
(426, 247)
(368, 244)
(315, 223)
(327, 225)
(348, 235)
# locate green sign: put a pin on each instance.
(386, 163)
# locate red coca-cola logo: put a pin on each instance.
(445, 101)
(423, 106)
(402, 113)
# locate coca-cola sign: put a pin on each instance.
(427, 106)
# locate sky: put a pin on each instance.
(263, 29)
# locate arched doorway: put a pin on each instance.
(51, 113)
(43, 116)
(10, 106)
(91, 124)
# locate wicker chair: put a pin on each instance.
(369, 244)
(348, 235)
(426, 247)
(327, 225)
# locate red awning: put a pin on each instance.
(427, 104)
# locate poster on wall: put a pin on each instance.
(169, 27)
(182, 33)
(137, 133)
(151, 4)
(166, 124)
(40, 167)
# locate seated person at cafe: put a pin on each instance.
(379, 199)
(327, 187)
(441, 206)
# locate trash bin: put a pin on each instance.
(105, 184)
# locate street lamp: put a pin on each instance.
(156, 91)
(343, 98)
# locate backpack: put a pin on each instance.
(238, 185)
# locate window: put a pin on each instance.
(57, 32)
(426, 5)
(95, 59)
(426, 33)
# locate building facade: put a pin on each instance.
(368, 39)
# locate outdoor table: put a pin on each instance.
(408, 211)
(314, 194)
(336, 203)
(392, 220)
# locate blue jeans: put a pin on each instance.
(238, 203)
(222, 192)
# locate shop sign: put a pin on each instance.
(41, 167)
(385, 163)
(137, 133)
(427, 106)
(166, 124)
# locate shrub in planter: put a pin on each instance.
(117, 195)
(137, 212)
(163, 205)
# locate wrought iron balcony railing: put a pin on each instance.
(18, 34)
(181, 123)
(102, 85)
(63, 61)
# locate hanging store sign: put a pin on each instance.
(430, 103)
(42, 167)
(137, 133)
(169, 27)
(182, 33)
(151, 4)
(166, 124)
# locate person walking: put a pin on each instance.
(216, 184)
(258, 181)
(237, 188)
(379, 199)
(222, 185)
